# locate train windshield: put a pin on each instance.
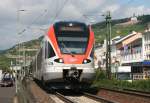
(72, 38)
(72, 45)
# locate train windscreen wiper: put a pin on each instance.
(67, 49)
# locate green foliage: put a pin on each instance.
(100, 75)
(144, 18)
(100, 28)
(4, 62)
(102, 81)
(142, 85)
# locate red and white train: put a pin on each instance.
(66, 57)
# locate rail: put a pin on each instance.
(63, 98)
(98, 98)
(131, 92)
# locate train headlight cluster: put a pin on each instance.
(85, 61)
(59, 60)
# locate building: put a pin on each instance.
(135, 53)
(100, 53)
(130, 21)
(115, 55)
(131, 53)
(146, 53)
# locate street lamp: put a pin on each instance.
(19, 46)
(19, 33)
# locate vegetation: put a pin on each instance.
(4, 62)
(102, 81)
(120, 30)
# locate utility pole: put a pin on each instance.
(18, 65)
(21, 55)
(108, 45)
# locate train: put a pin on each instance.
(66, 56)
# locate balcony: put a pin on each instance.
(134, 55)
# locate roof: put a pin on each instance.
(133, 33)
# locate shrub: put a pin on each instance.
(102, 81)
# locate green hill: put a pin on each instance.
(122, 30)
(5, 55)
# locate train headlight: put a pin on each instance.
(85, 61)
(60, 60)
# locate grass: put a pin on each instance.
(102, 81)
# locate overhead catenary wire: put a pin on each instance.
(59, 11)
(82, 14)
(42, 15)
(34, 21)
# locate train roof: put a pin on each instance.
(70, 23)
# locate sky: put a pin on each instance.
(24, 20)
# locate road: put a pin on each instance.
(7, 94)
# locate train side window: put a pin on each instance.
(50, 51)
(92, 53)
(46, 50)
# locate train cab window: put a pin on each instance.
(50, 51)
(46, 50)
(92, 53)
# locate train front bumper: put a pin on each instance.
(57, 74)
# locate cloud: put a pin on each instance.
(41, 14)
(139, 10)
(113, 8)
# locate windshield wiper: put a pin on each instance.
(68, 50)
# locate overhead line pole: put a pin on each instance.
(108, 45)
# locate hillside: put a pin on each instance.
(122, 30)
(6, 56)
(120, 27)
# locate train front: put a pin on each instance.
(73, 44)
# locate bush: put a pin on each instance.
(100, 75)
(102, 81)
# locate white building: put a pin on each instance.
(100, 53)
(131, 51)
(146, 53)
(131, 48)
(135, 52)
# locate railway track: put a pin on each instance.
(82, 98)
(121, 96)
(130, 92)
(136, 92)
(98, 98)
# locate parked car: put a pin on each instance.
(7, 82)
